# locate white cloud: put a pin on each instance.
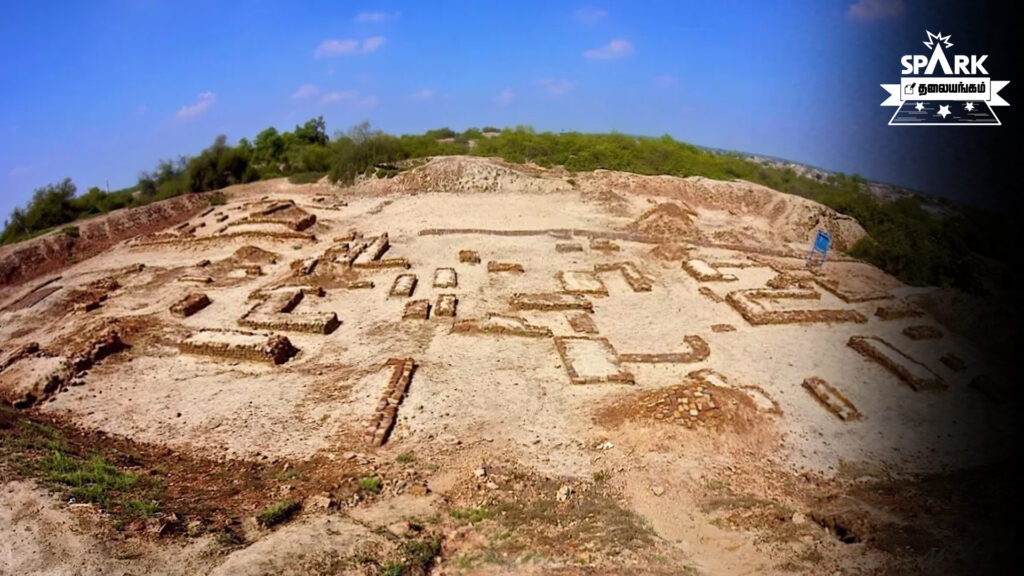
(21, 170)
(866, 10)
(377, 16)
(339, 96)
(341, 47)
(505, 97)
(305, 91)
(372, 43)
(335, 47)
(205, 100)
(615, 49)
(590, 14)
(665, 80)
(367, 103)
(556, 87)
(424, 94)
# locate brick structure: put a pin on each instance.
(386, 413)
(190, 304)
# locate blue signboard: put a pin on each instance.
(822, 241)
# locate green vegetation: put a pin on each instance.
(95, 480)
(370, 484)
(71, 231)
(471, 515)
(405, 458)
(905, 239)
(600, 476)
(278, 512)
(417, 556)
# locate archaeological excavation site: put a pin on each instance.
(477, 367)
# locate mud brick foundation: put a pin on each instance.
(196, 279)
(832, 399)
(914, 373)
(710, 294)
(922, 332)
(384, 263)
(445, 278)
(514, 267)
(591, 360)
(584, 282)
(404, 286)
(416, 310)
(719, 328)
(846, 295)
(469, 257)
(550, 301)
(239, 345)
(373, 252)
(744, 301)
(501, 324)
(446, 304)
(953, 362)
(275, 313)
(699, 351)
(703, 272)
(582, 322)
(897, 310)
(314, 323)
(603, 245)
(385, 414)
(190, 304)
(630, 272)
(564, 247)
(359, 284)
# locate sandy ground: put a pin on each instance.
(479, 394)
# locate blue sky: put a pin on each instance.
(101, 90)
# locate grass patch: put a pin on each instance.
(277, 513)
(405, 458)
(471, 515)
(141, 508)
(600, 476)
(217, 198)
(93, 481)
(371, 484)
(71, 231)
(417, 557)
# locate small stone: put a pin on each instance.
(480, 472)
(319, 502)
(492, 486)
(658, 490)
(799, 518)
(694, 412)
(400, 529)
(563, 493)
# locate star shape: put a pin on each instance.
(944, 111)
(969, 107)
(919, 107)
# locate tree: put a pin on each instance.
(268, 147)
(313, 132)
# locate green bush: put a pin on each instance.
(370, 484)
(277, 513)
(71, 231)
